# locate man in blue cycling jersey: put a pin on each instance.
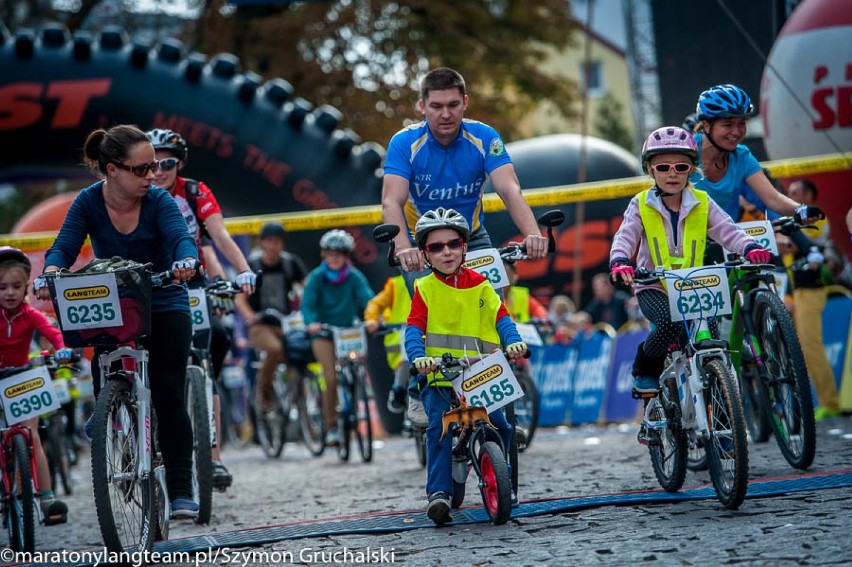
(444, 161)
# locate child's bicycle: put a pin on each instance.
(698, 403)
(19, 488)
(773, 374)
(128, 476)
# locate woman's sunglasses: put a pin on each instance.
(436, 247)
(138, 170)
(169, 164)
(678, 167)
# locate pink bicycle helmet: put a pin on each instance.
(669, 140)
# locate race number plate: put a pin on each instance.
(698, 292)
(762, 232)
(488, 263)
(28, 394)
(88, 302)
(63, 392)
(529, 334)
(198, 310)
(489, 383)
(350, 340)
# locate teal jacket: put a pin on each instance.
(337, 304)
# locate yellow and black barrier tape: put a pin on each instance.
(544, 197)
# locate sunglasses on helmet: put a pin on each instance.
(678, 167)
(436, 247)
(138, 170)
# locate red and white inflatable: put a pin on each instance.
(806, 100)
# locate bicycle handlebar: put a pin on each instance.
(789, 225)
(46, 360)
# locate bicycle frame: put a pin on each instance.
(743, 284)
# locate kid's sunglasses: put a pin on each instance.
(436, 247)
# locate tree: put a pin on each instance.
(609, 122)
(366, 57)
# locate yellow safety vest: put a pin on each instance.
(693, 239)
(518, 304)
(461, 321)
(396, 315)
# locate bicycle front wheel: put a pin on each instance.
(727, 448)
(311, 419)
(20, 510)
(787, 396)
(124, 502)
(202, 460)
(272, 424)
(364, 425)
(495, 483)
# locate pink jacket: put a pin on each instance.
(16, 334)
(630, 239)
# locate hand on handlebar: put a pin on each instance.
(371, 326)
(63, 355)
(246, 280)
(536, 246)
(184, 270)
(314, 328)
(806, 214)
(758, 256)
(425, 364)
(40, 289)
(516, 351)
(622, 271)
(410, 260)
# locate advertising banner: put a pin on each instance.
(552, 368)
(590, 378)
(836, 318)
(620, 405)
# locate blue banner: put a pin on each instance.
(590, 377)
(552, 368)
(620, 405)
(835, 332)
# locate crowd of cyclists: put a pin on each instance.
(142, 210)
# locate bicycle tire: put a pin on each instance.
(527, 409)
(202, 459)
(495, 486)
(787, 399)
(696, 459)
(345, 417)
(161, 510)
(272, 425)
(669, 454)
(727, 448)
(22, 499)
(124, 503)
(363, 416)
(419, 435)
(311, 418)
(57, 457)
(755, 414)
(513, 448)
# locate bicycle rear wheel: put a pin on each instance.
(669, 449)
(57, 457)
(787, 396)
(311, 419)
(495, 483)
(202, 460)
(20, 512)
(526, 409)
(272, 425)
(364, 424)
(124, 502)
(346, 418)
(727, 448)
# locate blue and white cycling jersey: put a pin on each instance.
(450, 177)
(741, 165)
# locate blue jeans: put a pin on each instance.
(439, 452)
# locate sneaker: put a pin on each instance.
(514, 497)
(822, 413)
(416, 412)
(222, 479)
(332, 438)
(55, 511)
(396, 399)
(89, 427)
(646, 385)
(521, 436)
(184, 509)
(438, 509)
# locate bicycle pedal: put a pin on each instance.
(643, 395)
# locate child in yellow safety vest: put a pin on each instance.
(454, 310)
(668, 225)
(392, 305)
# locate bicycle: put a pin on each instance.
(19, 488)
(128, 476)
(57, 440)
(773, 371)
(698, 403)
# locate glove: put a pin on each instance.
(63, 355)
(424, 362)
(247, 277)
(758, 256)
(39, 283)
(517, 348)
(620, 268)
(805, 212)
(187, 264)
(815, 256)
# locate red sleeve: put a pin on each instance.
(502, 312)
(207, 203)
(419, 313)
(42, 324)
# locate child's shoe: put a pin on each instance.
(438, 509)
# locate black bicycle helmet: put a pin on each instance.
(164, 139)
(11, 253)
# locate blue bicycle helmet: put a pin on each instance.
(724, 101)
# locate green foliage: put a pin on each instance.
(609, 122)
(366, 57)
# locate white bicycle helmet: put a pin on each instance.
(337, 239)
(169, 140)
(440, 218)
